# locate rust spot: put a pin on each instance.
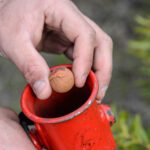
(87, 144)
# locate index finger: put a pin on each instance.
(67, 18)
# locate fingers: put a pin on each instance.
(102, 60)
(83, 58)
(64, 17)
(103, 66)
(77, 30)
(87, 38)
(32, 66)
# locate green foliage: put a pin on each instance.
(130, 134)
(140, 48)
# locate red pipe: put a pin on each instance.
(69, 121)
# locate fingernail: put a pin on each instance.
(78, 81)
(102, 93)
(103, 90)
(83, 77)
(38, 86)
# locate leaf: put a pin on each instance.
(137, 130)
(143, 21)
(129, 132)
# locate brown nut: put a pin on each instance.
(61, 80)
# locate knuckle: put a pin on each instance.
(32, 72)
(91, 34)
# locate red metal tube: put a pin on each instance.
(69, 121)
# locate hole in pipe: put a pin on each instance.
(58, 105)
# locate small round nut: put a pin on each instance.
(61, 80)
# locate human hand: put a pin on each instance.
(27, 27)
(12, 135)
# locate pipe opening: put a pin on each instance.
(58, 104)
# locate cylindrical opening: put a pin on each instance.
(59, 106)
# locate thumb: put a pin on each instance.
(33, 67)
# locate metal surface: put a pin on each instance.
(70, 121)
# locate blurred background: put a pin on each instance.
(128, 23)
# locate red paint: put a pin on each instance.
(70, 121)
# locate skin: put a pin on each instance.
(57, 26)
(9, 138)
